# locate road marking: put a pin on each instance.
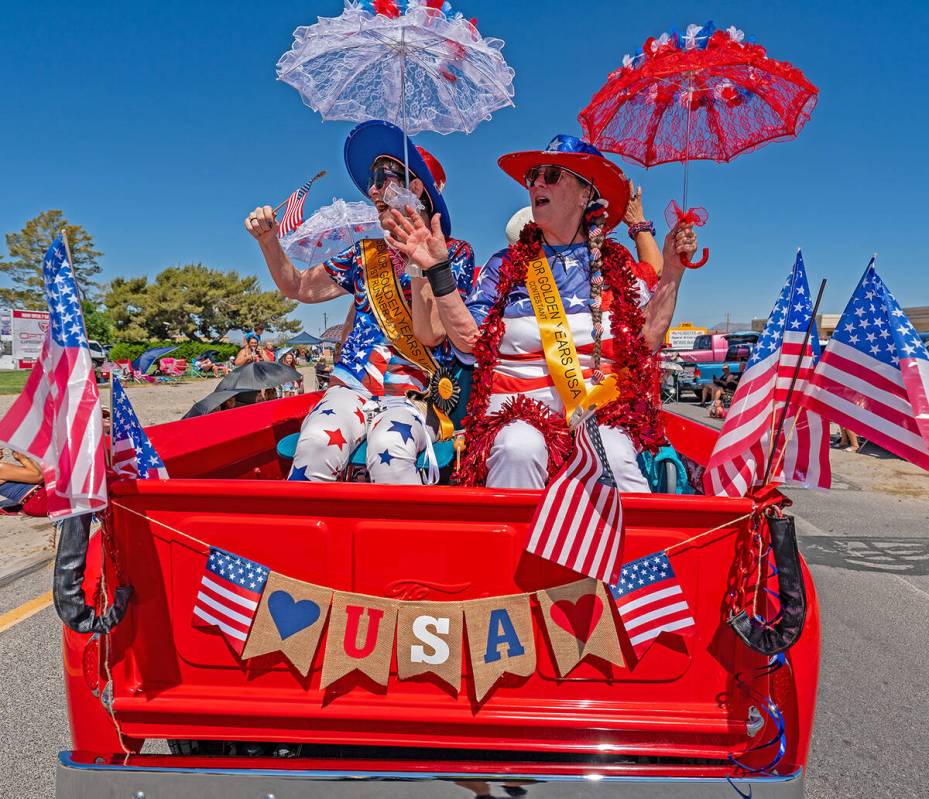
(24, 611)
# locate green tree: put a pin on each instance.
(195, 302)
(98, 323)
(27, 249)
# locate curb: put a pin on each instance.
(26, 565)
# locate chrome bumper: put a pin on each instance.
(92, 781)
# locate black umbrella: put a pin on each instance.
(258, 375)
(212, 401)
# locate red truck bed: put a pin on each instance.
(667, 723)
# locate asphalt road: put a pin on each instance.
(869, 553)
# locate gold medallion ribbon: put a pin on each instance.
(561, 356)
(390, 306)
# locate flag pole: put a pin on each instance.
(793, 383)
(317, 176)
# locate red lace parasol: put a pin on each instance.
(703, 94)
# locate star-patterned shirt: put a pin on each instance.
(368, 363)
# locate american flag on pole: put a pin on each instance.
(578, 523)
(873, 377)
(650, 600)
(57, 418)
(293, 213)
(133, 454)
(228, 596)
(745, 445)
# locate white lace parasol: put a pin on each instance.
(332, 229)
(421, 70)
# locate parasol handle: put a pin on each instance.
(685, 259)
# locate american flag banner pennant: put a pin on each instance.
(228, 596)
(133, 453)
(650, 601)
(873, 377)
(57, 418)
(578, 523)
(293, 213)
(745, 447)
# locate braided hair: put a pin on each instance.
(594, 218)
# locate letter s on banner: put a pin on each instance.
(440, 649)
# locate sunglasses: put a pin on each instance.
(550, 175)
(380, 175)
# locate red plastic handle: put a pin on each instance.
(685, 259)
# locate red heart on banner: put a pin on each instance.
(578, 618)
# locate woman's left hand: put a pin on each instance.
(680, 241)
(424, 246)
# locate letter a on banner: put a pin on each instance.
(429, 641)
(500, 640)
(290, 619)
(361, 637)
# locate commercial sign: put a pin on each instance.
(682, 336)
(28, 330)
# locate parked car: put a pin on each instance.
(698, 372)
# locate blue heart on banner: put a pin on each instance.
(289, 616)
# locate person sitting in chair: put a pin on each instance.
(713, 392)
(396, 344)
(18, 481)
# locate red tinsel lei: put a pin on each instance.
(636, 409)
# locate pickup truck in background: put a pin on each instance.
(705, 361)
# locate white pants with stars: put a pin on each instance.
(519, 459)
(331, 432)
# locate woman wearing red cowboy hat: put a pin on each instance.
(391, 349)
(559, 323)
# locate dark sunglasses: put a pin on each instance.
(550, 175)
(380, 175)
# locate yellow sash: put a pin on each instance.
(558, 343)
(390, 306)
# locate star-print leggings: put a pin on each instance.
(334, 428)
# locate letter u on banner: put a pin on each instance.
(500, 640)
(361, 637)
(429, 641)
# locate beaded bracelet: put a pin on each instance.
(641, 227)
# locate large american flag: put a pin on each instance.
(57, 419)
(873, 377)
(578, 523)
(230, 591)
(293, 213)
(650, 600)
(133, 454)
(745, 446)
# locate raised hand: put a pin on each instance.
(407, 232)
(261, 223)
(680, 240)
(634, 212)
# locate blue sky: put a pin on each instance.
(158, 126)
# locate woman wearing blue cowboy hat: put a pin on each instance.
(397, 342)
(563, 321)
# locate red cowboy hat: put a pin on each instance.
(582, 159)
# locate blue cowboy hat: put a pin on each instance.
(375, 139)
